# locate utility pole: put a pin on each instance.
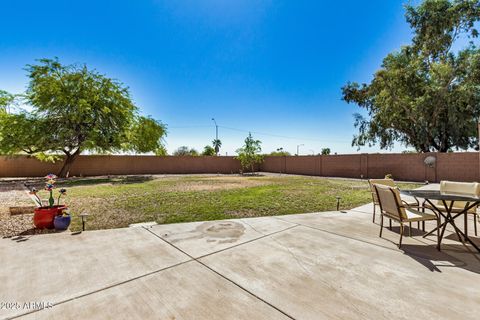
(298, 148)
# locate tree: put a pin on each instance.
(325, 151)
(208, 151)
(217, 144)
(77, 109)
(145, 136)
(280, 152)
(249, 154)
(185, 151)
(426, 95)
(22, 133)
(161, 152)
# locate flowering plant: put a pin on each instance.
(49, 186)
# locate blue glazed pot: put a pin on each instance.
(61, 222)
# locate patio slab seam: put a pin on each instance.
(368, 242)
(101, 289)
(225, 277)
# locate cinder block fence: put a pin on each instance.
(464, 166)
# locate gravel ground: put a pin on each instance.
(14, 194)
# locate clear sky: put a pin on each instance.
(271, 67)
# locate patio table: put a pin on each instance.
(444, 197)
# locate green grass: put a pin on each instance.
(118, 202)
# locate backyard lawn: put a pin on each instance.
(118, 202)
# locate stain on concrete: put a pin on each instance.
(215, 232)
(229, 231)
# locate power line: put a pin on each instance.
(191, 126)
(281, 136)
(259, 133)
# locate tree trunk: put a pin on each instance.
(69, 160)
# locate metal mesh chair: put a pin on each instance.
(391, 207)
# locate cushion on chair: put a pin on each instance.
(415, 215)
(467, 188)
(441, 207)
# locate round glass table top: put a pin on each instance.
(438, 195)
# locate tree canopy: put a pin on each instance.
(75, 109)
(426, 95)
(6, 99)
(249, 154)
(185, 151)
(209, 151)
(280, 152)
(325, 151)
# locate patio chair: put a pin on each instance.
(392, 208)
(389, 183)
(469, 188)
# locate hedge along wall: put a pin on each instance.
(409, 167)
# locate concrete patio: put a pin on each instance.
(329, 265)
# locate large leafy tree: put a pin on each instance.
(426, 95)
(75, 109)
(249, 154)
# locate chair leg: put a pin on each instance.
(390, 224)
(381, 225)
(374, 206)
(423, 226)
(475, 224)
(401, 235)
(438, 233)
(410, 229)
(418, 225)
(465, 220)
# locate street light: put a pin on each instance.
(298, 148)
(216, 128)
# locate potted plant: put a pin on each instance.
(62, 219)
(44, 216)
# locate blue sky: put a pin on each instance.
(271, 67)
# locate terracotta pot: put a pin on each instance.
(43, 216)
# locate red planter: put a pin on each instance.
(43, 217)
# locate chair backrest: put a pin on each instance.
(389, 201)
(383, 182)
(467, 188)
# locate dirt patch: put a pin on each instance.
(214, 184)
